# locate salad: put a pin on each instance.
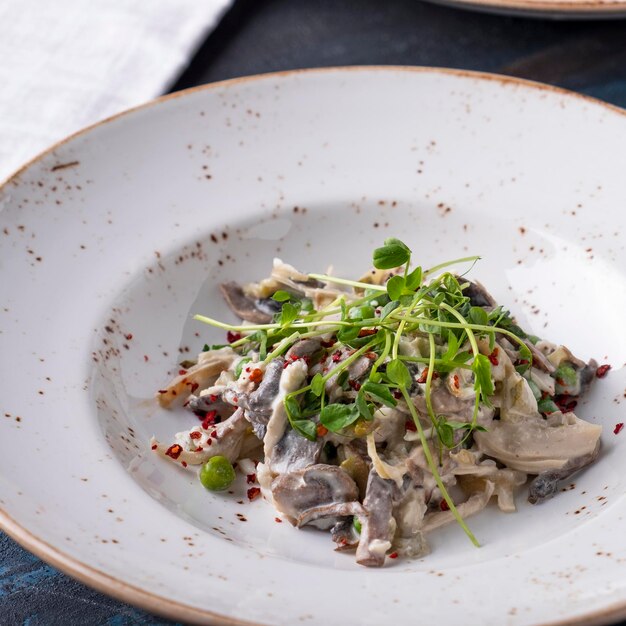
(383, 408)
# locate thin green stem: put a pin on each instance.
(434, 470)
(421, 359)
(282, 346)
(349, 283)
(436, 268)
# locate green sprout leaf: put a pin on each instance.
(317, 384)
(478, 315)
(364, 407)
(281, 296)
(395, 287)
(388, 308)
(414, 279)
(306, 428)
(288, 314)
(393, 254)
(398, 373)
(337, 416)
(378, 392)
(292, 407)
(482, 378)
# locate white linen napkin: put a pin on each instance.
(65, 64)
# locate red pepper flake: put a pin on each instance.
(397, 394)
(602, 370)
(145, 358)
(154, 446)
(128, 337)
(232, 337)
(256, 375)
(200, 448)
(209, 419)
(443, 505)
(182, 372)
(366, 332)
(455, 382)
(235, 399)
(393, 555)
(354, 384)
(193, 386)
(565, 403)
(410, 425)
(423, 376)
(336, 356)
(195, 434)
(213, 434)
(278, 520)
(174, 451)
(372, 356)
(521, 362)
(183, 463)
(162, 391)
(321, 430)
(253, 492)
(328, 344)
(493, 357)
(618, 428)
(213, 397)
(251, 479)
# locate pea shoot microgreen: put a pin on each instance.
(416, 327)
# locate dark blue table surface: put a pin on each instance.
(267, 35)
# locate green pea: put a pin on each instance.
(356, 524)
(217, 474)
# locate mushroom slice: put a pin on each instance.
(409, 513)
(475, 503)
(292, 378)
(310, 349)
(328, 515)
(209, 367)
(378, 528)
(546, 484)
(294, 452)
(318, 485)
(245, 307)
(258, 405)
(477, 294)
(539, 358)
(534, 445)
(345, 535)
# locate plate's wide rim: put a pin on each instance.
(155, 603)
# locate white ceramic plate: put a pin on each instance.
(126, 229)
(551, 9)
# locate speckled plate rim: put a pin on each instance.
(540, 9)
(154, 603)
